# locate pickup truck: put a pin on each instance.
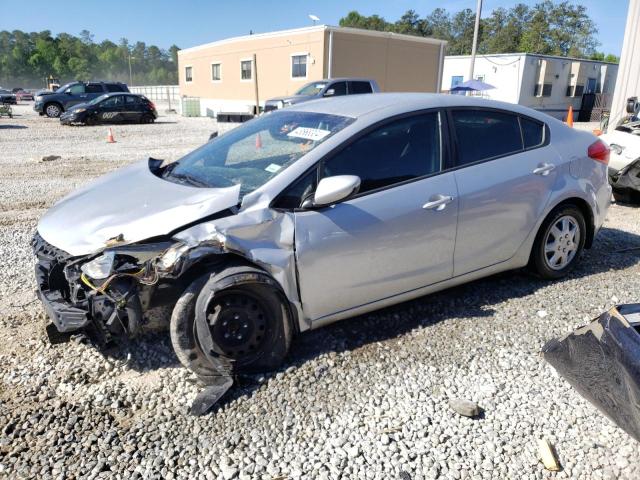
(333, 87)
(52, 104)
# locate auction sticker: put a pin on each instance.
(273, 168)
(307, 133)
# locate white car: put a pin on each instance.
(624, 161)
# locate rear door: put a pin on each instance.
(396, 235)
(132, 108)
(505, 172)
(93, 90)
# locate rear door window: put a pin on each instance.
(485, 134)
(131, 100)
(94, 88)
(402, 150)
(532, 132)
(360, 87)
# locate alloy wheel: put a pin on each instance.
(53, 111)
(562, 242)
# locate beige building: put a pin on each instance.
(224, 77)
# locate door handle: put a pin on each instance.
(544, 169)
(438, 202)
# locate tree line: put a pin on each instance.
(548, 27)
(27, 58)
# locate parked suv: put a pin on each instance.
(52, 104)
(324, 88)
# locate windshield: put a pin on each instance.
(98, 99)
(312, 88)
(253, 153)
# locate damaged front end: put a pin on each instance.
(601, 361)
(105, 293)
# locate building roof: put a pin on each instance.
(537, 55)
(314, 28)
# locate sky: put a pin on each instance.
(192, 22)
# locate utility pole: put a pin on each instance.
(130, 74)
(475, 39)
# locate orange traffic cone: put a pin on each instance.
(110, 137)
(570, 116)
(258, 141)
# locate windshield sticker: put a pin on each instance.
(307, 133)
(273, 168)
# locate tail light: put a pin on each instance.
(599, 151)
(152, 105)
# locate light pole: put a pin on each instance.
(475, 39)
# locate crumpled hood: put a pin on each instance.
(132, 202)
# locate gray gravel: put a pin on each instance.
(365, 398)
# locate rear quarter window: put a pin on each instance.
(112, 87)
(532, 132)
(360, 87)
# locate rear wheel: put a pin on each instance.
(147, 119)
(230, 322)
(559, 242)
(52, 110)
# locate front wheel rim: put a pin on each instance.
(53, 111)
(562, 242)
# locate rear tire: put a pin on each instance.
(559, 242)
(147, 119)
(231, 322)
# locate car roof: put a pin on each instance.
(387, 104)
(110, 94)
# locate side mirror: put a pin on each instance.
(333, 189)
(329, 92)
(68, 92)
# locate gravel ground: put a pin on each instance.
(365, 398)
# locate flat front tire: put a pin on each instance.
(559, 242)
(231, 322)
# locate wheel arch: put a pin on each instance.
(216, 263)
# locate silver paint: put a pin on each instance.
(369, 251)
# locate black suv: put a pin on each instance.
(52, 104)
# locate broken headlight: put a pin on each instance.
(100, 267)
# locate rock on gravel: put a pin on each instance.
(366, 398)
(464, 407)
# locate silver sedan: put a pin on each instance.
(319, 212)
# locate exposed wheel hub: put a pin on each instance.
(237, 322)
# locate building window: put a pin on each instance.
(216, 72)
(542, 90)
(455, 81)
(299, 66)
(188, 74)
(245, 70)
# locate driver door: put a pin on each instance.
(390, 238)
(112, 110)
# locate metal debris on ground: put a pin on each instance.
(547, 455)
(601, 361)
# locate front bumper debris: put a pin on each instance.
(601, 361)
(627, 178)
(72, 306)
